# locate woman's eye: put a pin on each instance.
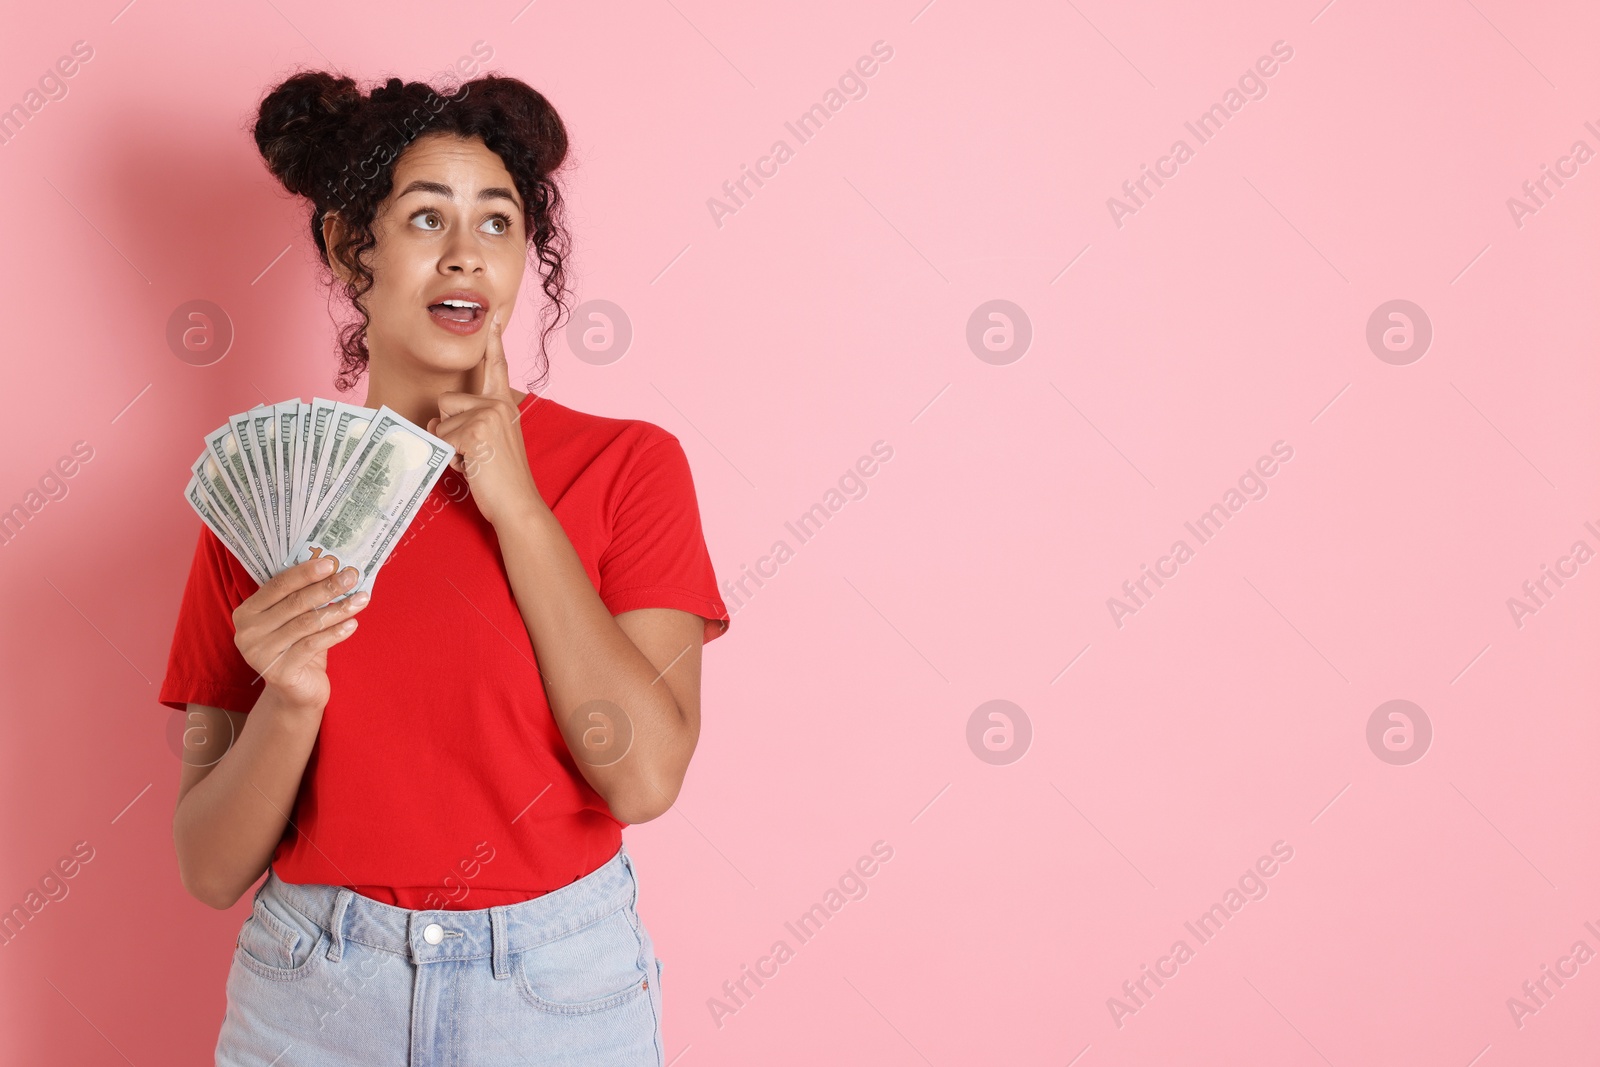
(431, 221)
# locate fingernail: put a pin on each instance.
(324, 565)
(360, 599)
(348, 578)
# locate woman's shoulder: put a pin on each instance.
(588, 433)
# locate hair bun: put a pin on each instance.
(394, 87)
(296, 125)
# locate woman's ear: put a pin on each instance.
(333, 231)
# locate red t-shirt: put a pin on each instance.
(439, 778)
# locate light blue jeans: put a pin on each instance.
(324, 976)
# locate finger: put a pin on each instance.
(439, 429)
(496, 376)
(307, 647)
(433, 428)
(459, 403)
(290, 580)
(282, 641)
(309, 598)
(451, 426)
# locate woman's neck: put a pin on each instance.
(418, 401)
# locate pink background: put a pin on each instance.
(831, 311)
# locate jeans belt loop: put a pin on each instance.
(633, 876)
(336, 924)
(499, 933)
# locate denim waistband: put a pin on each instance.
(496, 933)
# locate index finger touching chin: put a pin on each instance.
(496, 375)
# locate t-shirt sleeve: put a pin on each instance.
(204, 665)
(657, 557)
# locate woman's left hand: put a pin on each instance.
(486, 429)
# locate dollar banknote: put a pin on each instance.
(225, 506)
(223, 447)
(381, 487)
(282, 483)
(225, 533)
(249, 433)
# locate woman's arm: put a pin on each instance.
(241, 772)
(232, 807)
(627, 700)
(632, 680)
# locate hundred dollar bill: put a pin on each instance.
(214, 487)
(223, 447)
(303, 464)
(320, 429)
(302, 440)
(264, 446)
(249, 430)
(379, 492)
(202, 506)
(346, 430)
(286, 417)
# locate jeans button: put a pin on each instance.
(433, 933)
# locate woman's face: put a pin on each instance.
(451, 228)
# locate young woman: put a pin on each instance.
(437, 802)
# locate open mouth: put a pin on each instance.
(457, 316)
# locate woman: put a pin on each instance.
(441, 797)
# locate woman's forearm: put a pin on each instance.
(228, 824)
(585, 656)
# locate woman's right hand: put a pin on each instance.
(284, 631)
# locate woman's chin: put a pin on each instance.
(443, 359)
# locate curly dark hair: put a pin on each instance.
(326, 141)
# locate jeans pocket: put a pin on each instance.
(597, 968)
(278, 942)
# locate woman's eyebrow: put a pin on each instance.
(493, 192)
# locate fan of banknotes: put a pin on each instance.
(283, 483)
